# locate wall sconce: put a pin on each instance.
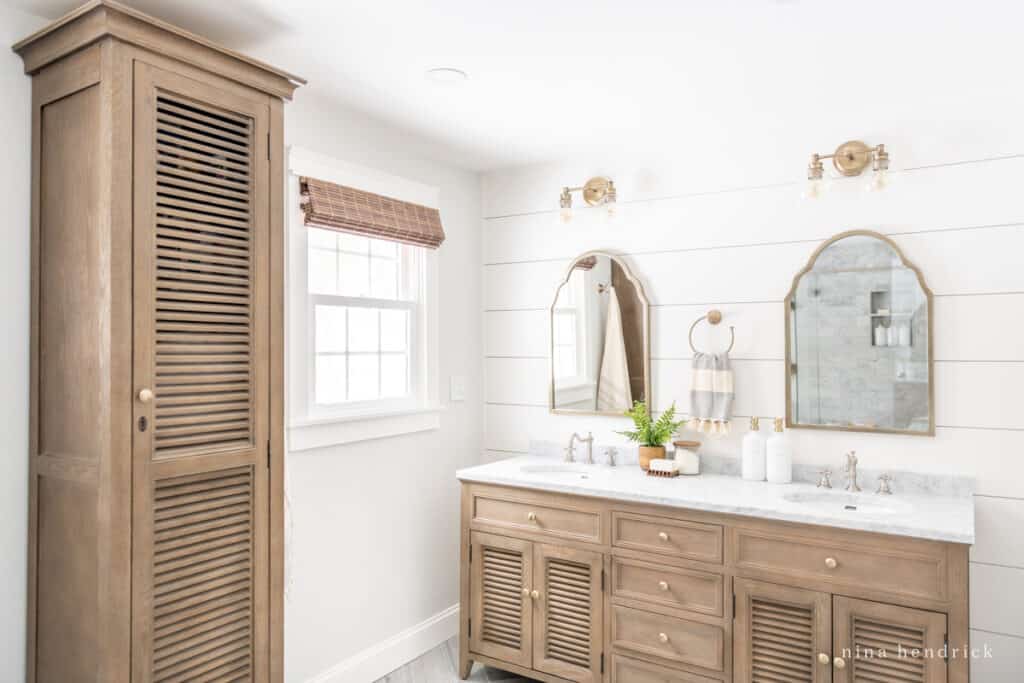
(849, 159)
(598, 191)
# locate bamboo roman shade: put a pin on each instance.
(337, 207)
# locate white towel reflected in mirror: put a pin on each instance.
(613, 391)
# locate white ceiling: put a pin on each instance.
(563, 78)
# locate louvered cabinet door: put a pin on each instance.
(501, 578)
(568, 613)
(781, 634)
(201, 510)
(877, 642)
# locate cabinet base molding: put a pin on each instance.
(381, 659)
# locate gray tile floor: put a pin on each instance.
(441, 664)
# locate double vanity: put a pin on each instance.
(575, 572)
(583, 572)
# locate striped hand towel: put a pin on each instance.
(711, 393)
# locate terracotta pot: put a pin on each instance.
(649, 453)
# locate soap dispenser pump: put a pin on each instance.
(779, 456)
(754, 449)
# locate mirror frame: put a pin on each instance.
(788, 304)
(646, 309)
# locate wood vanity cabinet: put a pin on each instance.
(565, 588)
(155, 522)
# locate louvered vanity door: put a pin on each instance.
(879, 642)
(567, 630)
(500, 586)
(781, 634)
(201, 331)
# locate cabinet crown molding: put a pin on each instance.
(99, 19)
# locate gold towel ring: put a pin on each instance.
(714, 316)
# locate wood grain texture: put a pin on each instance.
(568, 632)
(97, 528)
(718, 597)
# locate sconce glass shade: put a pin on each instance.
(814, 189)
(565, 215)
(877, 181)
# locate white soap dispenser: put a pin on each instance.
(779, 457)
(754, 450)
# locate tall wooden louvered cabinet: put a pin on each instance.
(156, 435)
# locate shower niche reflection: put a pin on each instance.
(599, 331)
(858, 340)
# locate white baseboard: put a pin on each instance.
(384, 657)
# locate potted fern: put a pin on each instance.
(651, 435)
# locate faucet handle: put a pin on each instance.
(611, 452)
(826, 479)
(883, 484)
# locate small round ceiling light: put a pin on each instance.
(447, 75)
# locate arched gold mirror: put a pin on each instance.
(859, 340)
(600, 358)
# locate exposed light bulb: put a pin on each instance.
(565, 214)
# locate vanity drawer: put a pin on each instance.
(538, 515)
(690, 540)
(902, 567)
(685, 589)
(625, 670)
(669, 638)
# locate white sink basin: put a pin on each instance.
(561, 472)
(849, 504)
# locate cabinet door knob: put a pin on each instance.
(535, 595)
(663, 637)
(824, 658)
(532, 516)
(526, 592)
(839, 663)
(663, 536)
(831, 563)
(145, 395)
(663, 585)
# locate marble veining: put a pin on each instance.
(920, 515)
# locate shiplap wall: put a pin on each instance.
(962, 223)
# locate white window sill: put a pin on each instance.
(311, 433)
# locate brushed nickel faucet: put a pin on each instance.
(851, 472)
(571, 449)
(883, 484)
(611, 453)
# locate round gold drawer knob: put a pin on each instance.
(663, 637)
(535, 595)
(663, 585)
(823, 658)
(831, 563)
(146, 395)
(663, 536)
(839, 663)
(532, 516)
(526, 592)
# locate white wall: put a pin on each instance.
(15, 181)
(373, 530)
(697, 245)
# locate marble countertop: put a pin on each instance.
(935, 517)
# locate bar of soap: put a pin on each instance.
(664, 465)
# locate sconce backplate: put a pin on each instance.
(851, 158)
(595, 190)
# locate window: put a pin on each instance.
(362, 354)
(569, 318)
(363, 294)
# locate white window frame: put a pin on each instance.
(311, 426)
